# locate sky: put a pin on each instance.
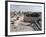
(33, 8)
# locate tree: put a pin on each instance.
(35, 14)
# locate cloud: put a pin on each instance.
(32, 8)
